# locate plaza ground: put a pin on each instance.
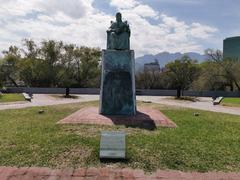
(202, 104)
(202, 143)
(205, 143)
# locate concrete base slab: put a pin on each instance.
(146, 118)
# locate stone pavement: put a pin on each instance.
(204, 103)
(147, 118)
(36, 173)
(47, 100)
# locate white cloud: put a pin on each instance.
(202, 31)
(73, 8)
(80, 23)
(123, 4)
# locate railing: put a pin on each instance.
(143, 92)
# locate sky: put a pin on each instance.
(156, 25)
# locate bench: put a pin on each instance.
(26, 97)
(217, 100)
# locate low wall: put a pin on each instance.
(211, 93)
(146, 92)
(53, 90)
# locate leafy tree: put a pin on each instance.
(31, 50)
(9, 65)
(51, 64)
(51, 53)
(88, 69)
(182, 73)
(149, 79)
(66, 69)
(1, 74)
(209, 78)
(229, 68)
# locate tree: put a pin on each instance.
(181, 73)
(148, 79)
(33, 69)
(209, 78)
(51, 53)
(51, 64)
(1, 74)
(229, 68)
(88, 70)
(66, 69)
(9, 65)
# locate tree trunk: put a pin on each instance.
(231, 87)
(178, 92)
(238, 86)
(67, 94)
(13, 81)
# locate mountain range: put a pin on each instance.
(165, 57)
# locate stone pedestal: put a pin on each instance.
(117, 96)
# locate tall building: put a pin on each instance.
(153, 66)
(231, 47)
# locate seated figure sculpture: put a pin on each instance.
(118, 34)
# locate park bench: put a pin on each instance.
(26, 97)
(217, 100)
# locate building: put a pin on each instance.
(231, 47)
(153, 66)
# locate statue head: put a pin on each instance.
(119, 17)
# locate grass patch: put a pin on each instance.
(208, 142)
(231, 102)
(11, 98)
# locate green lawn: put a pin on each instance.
(231, 102)
(208, 142)
(11, 97)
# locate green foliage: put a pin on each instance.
(209, 77)
(209, 142)
(149, 80)
(51, 64)
(9, 66)
(178, 74)
(224, 72)
(181, 73)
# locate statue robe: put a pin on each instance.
(118, 36)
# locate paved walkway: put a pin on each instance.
(46, 100)
(202, 104)
(12, 173)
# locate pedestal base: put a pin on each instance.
(145, 118)
(117, 95)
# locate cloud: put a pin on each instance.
(202, 31)
(73, 8)
(124, 4)
(80, 23)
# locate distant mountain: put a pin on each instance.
(165, 57)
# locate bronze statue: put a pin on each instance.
(118, 34)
